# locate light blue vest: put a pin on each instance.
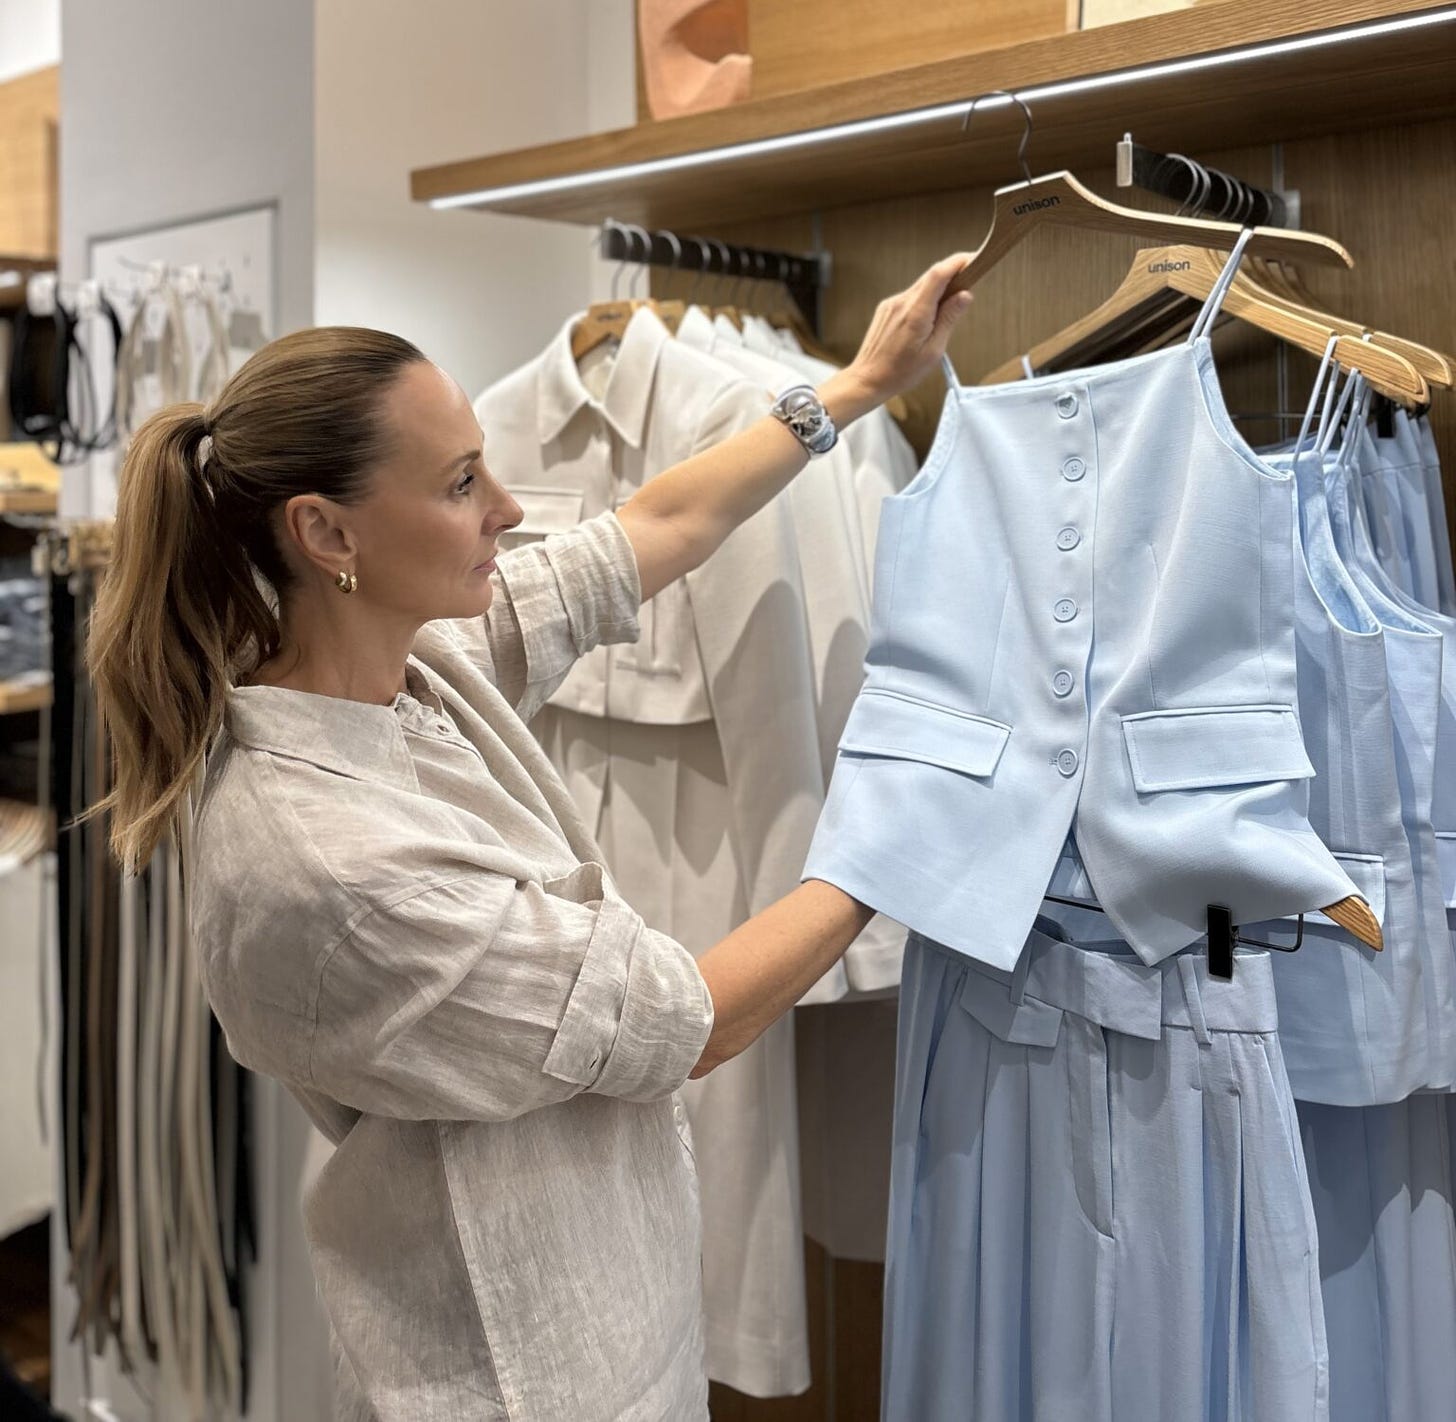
(1352, 1021)
(1423, 693)
(1082, 622)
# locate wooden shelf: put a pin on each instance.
(27, 694)
(1403, 76)
(27, 501)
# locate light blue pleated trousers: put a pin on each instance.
(1381, 1183)
(1099, 1209)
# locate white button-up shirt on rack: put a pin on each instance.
(571, 443)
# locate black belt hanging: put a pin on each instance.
(46, 352)
(93, 430)
(40, 369)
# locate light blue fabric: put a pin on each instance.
(1082, 622)
(1421, 646)
(1400, 458)
(1382, 1175)
(1430, 461)
(1353, 1021)
(1098, 1205)
(1381, 1183)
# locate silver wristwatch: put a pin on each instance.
(803, 412)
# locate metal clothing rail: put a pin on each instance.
(802, 275)
(1203, 191)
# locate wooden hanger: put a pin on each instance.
(1058, 199)
(1355, 917)
(601, 322)
(1283, 285)
(1192, 271)
(670, 313)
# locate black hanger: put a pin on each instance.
(1223, 935)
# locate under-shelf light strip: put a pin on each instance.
(886, 122)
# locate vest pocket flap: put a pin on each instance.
(900, 727)
(1214, 745)
(545, 511)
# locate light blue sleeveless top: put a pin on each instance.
(1082, 622)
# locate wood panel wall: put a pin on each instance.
(29, 118)
(1389, 195)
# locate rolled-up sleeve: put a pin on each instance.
(554, 601)
(482, 998)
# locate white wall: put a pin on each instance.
(30, 36)
(478, 293)
(170, 110)
(174, 110)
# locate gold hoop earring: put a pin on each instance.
(345, 581)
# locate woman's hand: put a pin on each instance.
(906, 338)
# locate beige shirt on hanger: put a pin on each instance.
(440, 969)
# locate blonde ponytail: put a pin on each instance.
(182, 613)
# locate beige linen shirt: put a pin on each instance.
(452, 987)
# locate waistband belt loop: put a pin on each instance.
(1016, 988)
(1188, 971)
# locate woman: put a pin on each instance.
(397, 911)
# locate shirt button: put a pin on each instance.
(1062, 683)
(1067, 762)
(1068, 539)
(1065, 610)
(1074, 468)
(1067, 405)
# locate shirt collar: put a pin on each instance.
(696, 329)
(727, 331)
(561, 393)
(759, 336)
(353, 738)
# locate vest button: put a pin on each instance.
(1066, 405)
(1067, 762)
(1062, 683)
(1068, 539)
(1074, 468)
(1065, 610)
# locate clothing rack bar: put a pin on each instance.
(1223, 195)
(802, 275)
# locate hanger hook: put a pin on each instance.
(1027, 123)
(612, 226)
(1244, 204)
(672, 241)
(724, 256)
(1203, 187)
(644, 261)
(740, 274)
(1229, 205)
(785, 267)
(705, 255)
(760, 267)
(1187, 206)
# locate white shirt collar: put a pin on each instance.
(560, 391)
